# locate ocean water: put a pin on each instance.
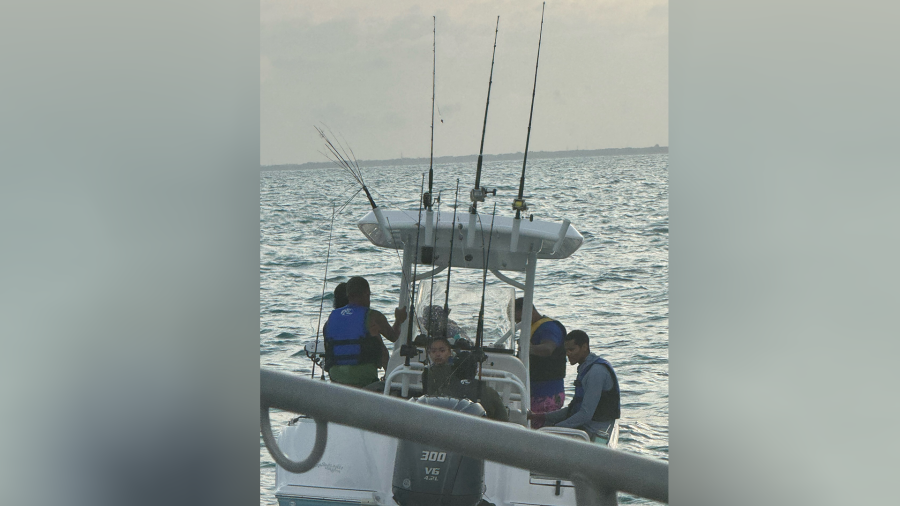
(615, 287)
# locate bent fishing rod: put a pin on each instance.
(478, 193)
(519, 204)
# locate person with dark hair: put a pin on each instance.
(547, 362)
(353, 345)
(439, 351)
(595, 406)
(443, 378)
(340, 300)
(439, 375)
(340, 295)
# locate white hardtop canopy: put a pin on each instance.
(509, 248)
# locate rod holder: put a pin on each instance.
(563, 230)
(429, 228)
(470, 233)
(514, 237)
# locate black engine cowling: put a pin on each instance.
(428, 476)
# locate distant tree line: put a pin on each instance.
(488, 158)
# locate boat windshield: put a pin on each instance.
(464, 304)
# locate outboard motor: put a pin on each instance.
(428, 476)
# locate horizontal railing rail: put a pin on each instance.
(596, 471)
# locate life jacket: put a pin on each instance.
(347, 340)
(445, 381)
(608, 408)
(552, 367)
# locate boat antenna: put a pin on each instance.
(322, 299)
(407, 350)
(478, 192)
(450, 260)
(348, 162)
(339, 155)
(519, 204)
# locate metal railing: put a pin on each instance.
(597, 472)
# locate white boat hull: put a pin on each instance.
(357, 468)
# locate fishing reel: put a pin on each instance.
(519, 205)
(409, 351)
(316, 351)
(429, 200)
(466, 363)
(421, 340)
(478, 194)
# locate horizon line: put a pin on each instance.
(449, 158)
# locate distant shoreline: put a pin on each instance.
(473, 158)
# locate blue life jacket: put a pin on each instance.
(347, 340)
(608, 408)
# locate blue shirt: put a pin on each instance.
(548, 331)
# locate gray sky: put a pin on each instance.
(364, 69)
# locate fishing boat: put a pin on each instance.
(360, 467)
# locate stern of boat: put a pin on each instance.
(356, 467)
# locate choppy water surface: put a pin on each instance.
(615, 287)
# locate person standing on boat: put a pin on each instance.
(353, 346)
(595, 407)
(547, 362)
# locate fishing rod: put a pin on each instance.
(519, 204)
(477, 355)
(427, 200)
(450, 261)
(479, 332)
(322, 299)
(433, 273)
(478, 193)
(427, 256)
(407, 350)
